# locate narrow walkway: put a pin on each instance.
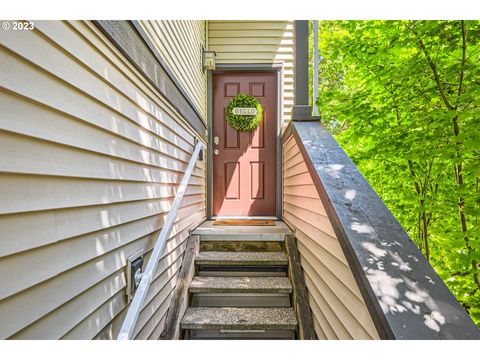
(241, 288)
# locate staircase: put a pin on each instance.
(241, 288)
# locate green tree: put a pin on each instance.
(403, 99)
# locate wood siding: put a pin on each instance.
(179, 43)
(257, 42)
(337, 305)
(90, 159)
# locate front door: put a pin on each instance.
(244, 163)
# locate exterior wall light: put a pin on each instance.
(208, 60)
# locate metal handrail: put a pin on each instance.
(126, 331)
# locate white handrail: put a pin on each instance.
(126, 331)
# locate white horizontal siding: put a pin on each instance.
(179, 43)
(258, 42)
(337, 305)
(91, 157)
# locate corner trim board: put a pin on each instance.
(301, 305)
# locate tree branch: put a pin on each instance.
(433, 66)
(462, 67)
(414, 176)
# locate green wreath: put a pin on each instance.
(244, 122)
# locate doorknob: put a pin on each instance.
(216, 152)
(216, 140)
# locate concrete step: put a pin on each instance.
(233, 284)
(232, 318)
(243, 258)
(210, 232)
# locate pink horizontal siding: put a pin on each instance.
(337, 306)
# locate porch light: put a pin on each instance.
(208, 60)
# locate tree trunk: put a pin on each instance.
(458, 167)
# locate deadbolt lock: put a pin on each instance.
(216, 140)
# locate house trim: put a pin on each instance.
(133, 42)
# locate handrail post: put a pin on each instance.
(301, 109)
(126, 331)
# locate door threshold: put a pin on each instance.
(244, 218)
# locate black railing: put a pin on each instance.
(404, 295)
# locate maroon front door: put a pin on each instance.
(244, 163)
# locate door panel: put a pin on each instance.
(257, 179)
(231, 136)
(257, 136)
(232, 180)
(244, 168)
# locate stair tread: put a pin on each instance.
(241, 258)
(239, 318)
(208, 231)
(240, 284)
